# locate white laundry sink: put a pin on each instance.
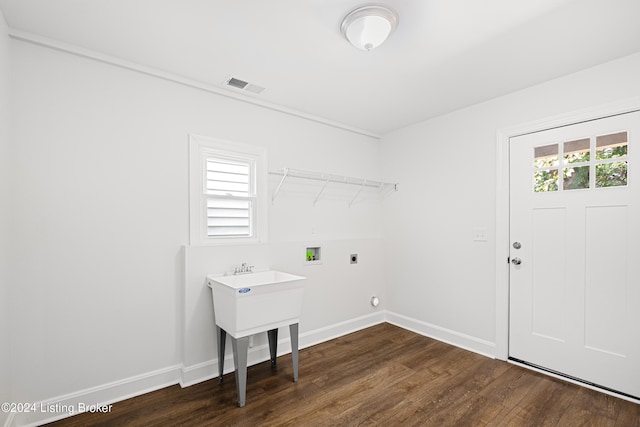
(246, 304)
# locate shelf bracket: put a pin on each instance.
(275, 193)
(358, 193)
(320, 193)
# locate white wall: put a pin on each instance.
(5, 345)
(437, 276)
(100, 179)
(337, 293)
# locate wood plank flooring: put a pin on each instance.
(380, 376)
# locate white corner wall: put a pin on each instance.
(439, 280)
(5, 341)
(109, 300)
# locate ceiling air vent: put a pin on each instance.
(240, 84)
(244, 86)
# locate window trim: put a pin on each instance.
(202, 147)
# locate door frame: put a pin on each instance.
(503, 136)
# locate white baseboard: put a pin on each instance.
(104, 395)
(209, 369)
(467, 342)
(100, 396)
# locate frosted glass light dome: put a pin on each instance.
(368, 27)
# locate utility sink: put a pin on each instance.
(246, 304)
(250, 303)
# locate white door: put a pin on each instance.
(575, 254)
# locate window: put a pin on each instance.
(545, 164)
(611, 160)
(580, 169)
(230, 194)
(227, 192)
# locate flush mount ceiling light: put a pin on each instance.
(368, 26)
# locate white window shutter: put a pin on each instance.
(230, 197)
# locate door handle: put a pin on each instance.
(516, 261)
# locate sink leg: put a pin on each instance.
(240, 349)
(293, 331)
(222, 341)
(273, 345)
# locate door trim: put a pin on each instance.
(503, 136)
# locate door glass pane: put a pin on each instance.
(546, 156)
(577, 177)
(612, 174)
(545, 180)
(577, 151)
(611, 146)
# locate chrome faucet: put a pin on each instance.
(243, 269)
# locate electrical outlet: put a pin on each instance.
(480, 234)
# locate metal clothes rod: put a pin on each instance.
(326, 178)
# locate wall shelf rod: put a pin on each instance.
(327, 178)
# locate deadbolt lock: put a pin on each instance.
(517, 245)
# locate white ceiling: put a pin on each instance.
(444, 55)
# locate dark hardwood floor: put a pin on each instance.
(383, 375)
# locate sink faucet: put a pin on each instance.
(243, 269)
